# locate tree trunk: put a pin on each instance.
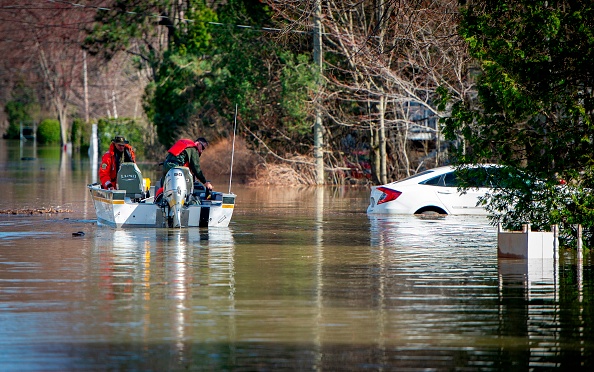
(383, 175)
(85, 87)
(318, 128)
(63, 118)
(375, 154)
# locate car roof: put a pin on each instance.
(430, 173)
(426, 174)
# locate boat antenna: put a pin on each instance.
(233, 148)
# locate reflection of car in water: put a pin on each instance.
(437, 233)
(432, 191)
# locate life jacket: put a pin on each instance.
(181, 145)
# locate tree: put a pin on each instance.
(143, 29)
(534, 109)
(384, 62)
(202, 67)
(42, 47)
(208, 66)
(52, 33)
(270, 84)
(21, 109)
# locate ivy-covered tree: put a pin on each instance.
(177, 92)
(216, 57)
(534, 110)
(270, 83)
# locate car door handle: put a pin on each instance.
(445, 192)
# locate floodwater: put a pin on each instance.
(301, 280)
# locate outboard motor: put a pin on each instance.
(175, 193)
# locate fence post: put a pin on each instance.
(579, 242)
(556, 242)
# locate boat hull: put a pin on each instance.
(115, 209)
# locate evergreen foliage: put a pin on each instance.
(176, 96)
(297, 80)
(534, 109)
(211, 65)
(270, 85)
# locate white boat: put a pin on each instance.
(183, 202)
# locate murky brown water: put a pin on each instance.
(301, 280)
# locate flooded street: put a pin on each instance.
(302, 279)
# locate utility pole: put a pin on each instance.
(318, 128)
(86, 86)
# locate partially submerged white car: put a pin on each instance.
(434, 191)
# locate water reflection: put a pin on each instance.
(446, 297)
(427, 232)
(528, 294)
(302, 279)
(171, 278)
(171, 256)
(319, 244)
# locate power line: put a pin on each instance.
(43, 25)
(159, 16)
(81, 5)
(152, 15)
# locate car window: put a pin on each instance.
(415, 175)
(476, 178)
(434, 181)
(450, 180)
(501, 177)
(479, 176)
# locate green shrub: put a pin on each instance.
(48, 132)
(107, 128)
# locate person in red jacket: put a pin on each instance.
(119, 152)
(186, 153)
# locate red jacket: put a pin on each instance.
(180, 146)
(110, 164)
